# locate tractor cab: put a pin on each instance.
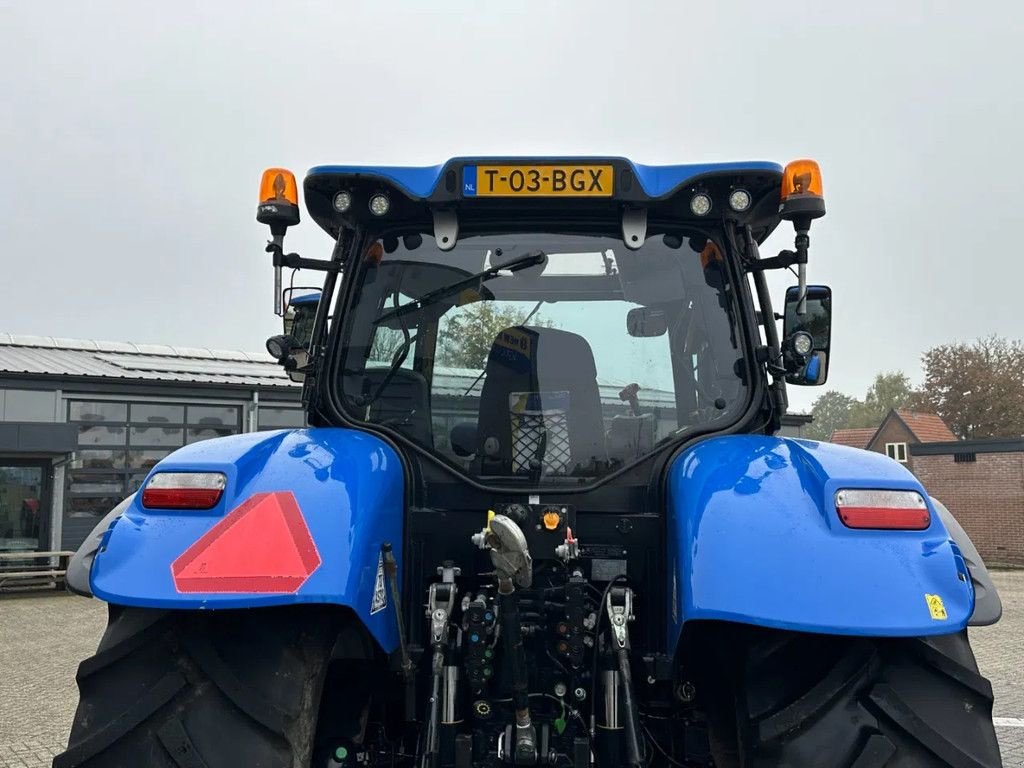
(550, 323)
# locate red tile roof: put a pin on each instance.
(927, 427)
(855, 438)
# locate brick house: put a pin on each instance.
(982, 483)
(899, 430)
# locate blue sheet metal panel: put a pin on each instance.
(307, 298)
(416, 181)
(659, 180)
(754, 537)
(349, 487)
(656, 180)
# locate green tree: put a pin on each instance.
(831, 411)
(386, 342)
(467, 335)
(976, 387)
(889, 390)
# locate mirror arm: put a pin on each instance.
(784, 260)
(276, 245)
(787, 259)
(294, 261)
(802, 243)
(291, 365)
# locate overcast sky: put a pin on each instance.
(133, 136)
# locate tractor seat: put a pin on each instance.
(540, 390)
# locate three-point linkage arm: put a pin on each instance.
(440, 603)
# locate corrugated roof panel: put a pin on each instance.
(44, 355)
(39, 360)
(155, 349)
(191, 365)
(236, 355)
(23, 340)
(116, 346)
(59, 343)
(200, 352)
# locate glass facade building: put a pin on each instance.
(79, 431)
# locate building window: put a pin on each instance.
(89, 410)
(155, 413)
(272, 417)
(897, 452)
(119, 442)
(964, 458)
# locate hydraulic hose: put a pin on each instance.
(432, 751)
(524, 751)
(513, 635)
(632, 718)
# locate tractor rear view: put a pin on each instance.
(541, 515)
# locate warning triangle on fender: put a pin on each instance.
(263, 545)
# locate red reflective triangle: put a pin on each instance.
(263, 545)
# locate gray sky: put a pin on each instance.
(133, 136)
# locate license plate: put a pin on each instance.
(537, 180)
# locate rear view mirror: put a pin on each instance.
(644, 322)
(299, 314)
(807, 337)
(292, 348)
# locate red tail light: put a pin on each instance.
(887, 510)
(183, 490)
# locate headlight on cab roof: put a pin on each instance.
(183, 490)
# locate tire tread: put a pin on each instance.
(878, 703)
(195, 710)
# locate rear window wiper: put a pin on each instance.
(531, 259)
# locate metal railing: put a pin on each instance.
(20, 571)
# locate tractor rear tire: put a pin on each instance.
(810, 700)
(202, 689)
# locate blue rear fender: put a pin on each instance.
(344, 493)
(754, 537)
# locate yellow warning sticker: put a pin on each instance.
(935, 607)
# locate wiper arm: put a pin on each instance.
(530, 259)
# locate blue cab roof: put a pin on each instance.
(656, 180)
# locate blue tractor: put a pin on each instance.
(542, 514)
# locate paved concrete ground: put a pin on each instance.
(1000, 653)
(42, 639)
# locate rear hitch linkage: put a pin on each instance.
(440, 602)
